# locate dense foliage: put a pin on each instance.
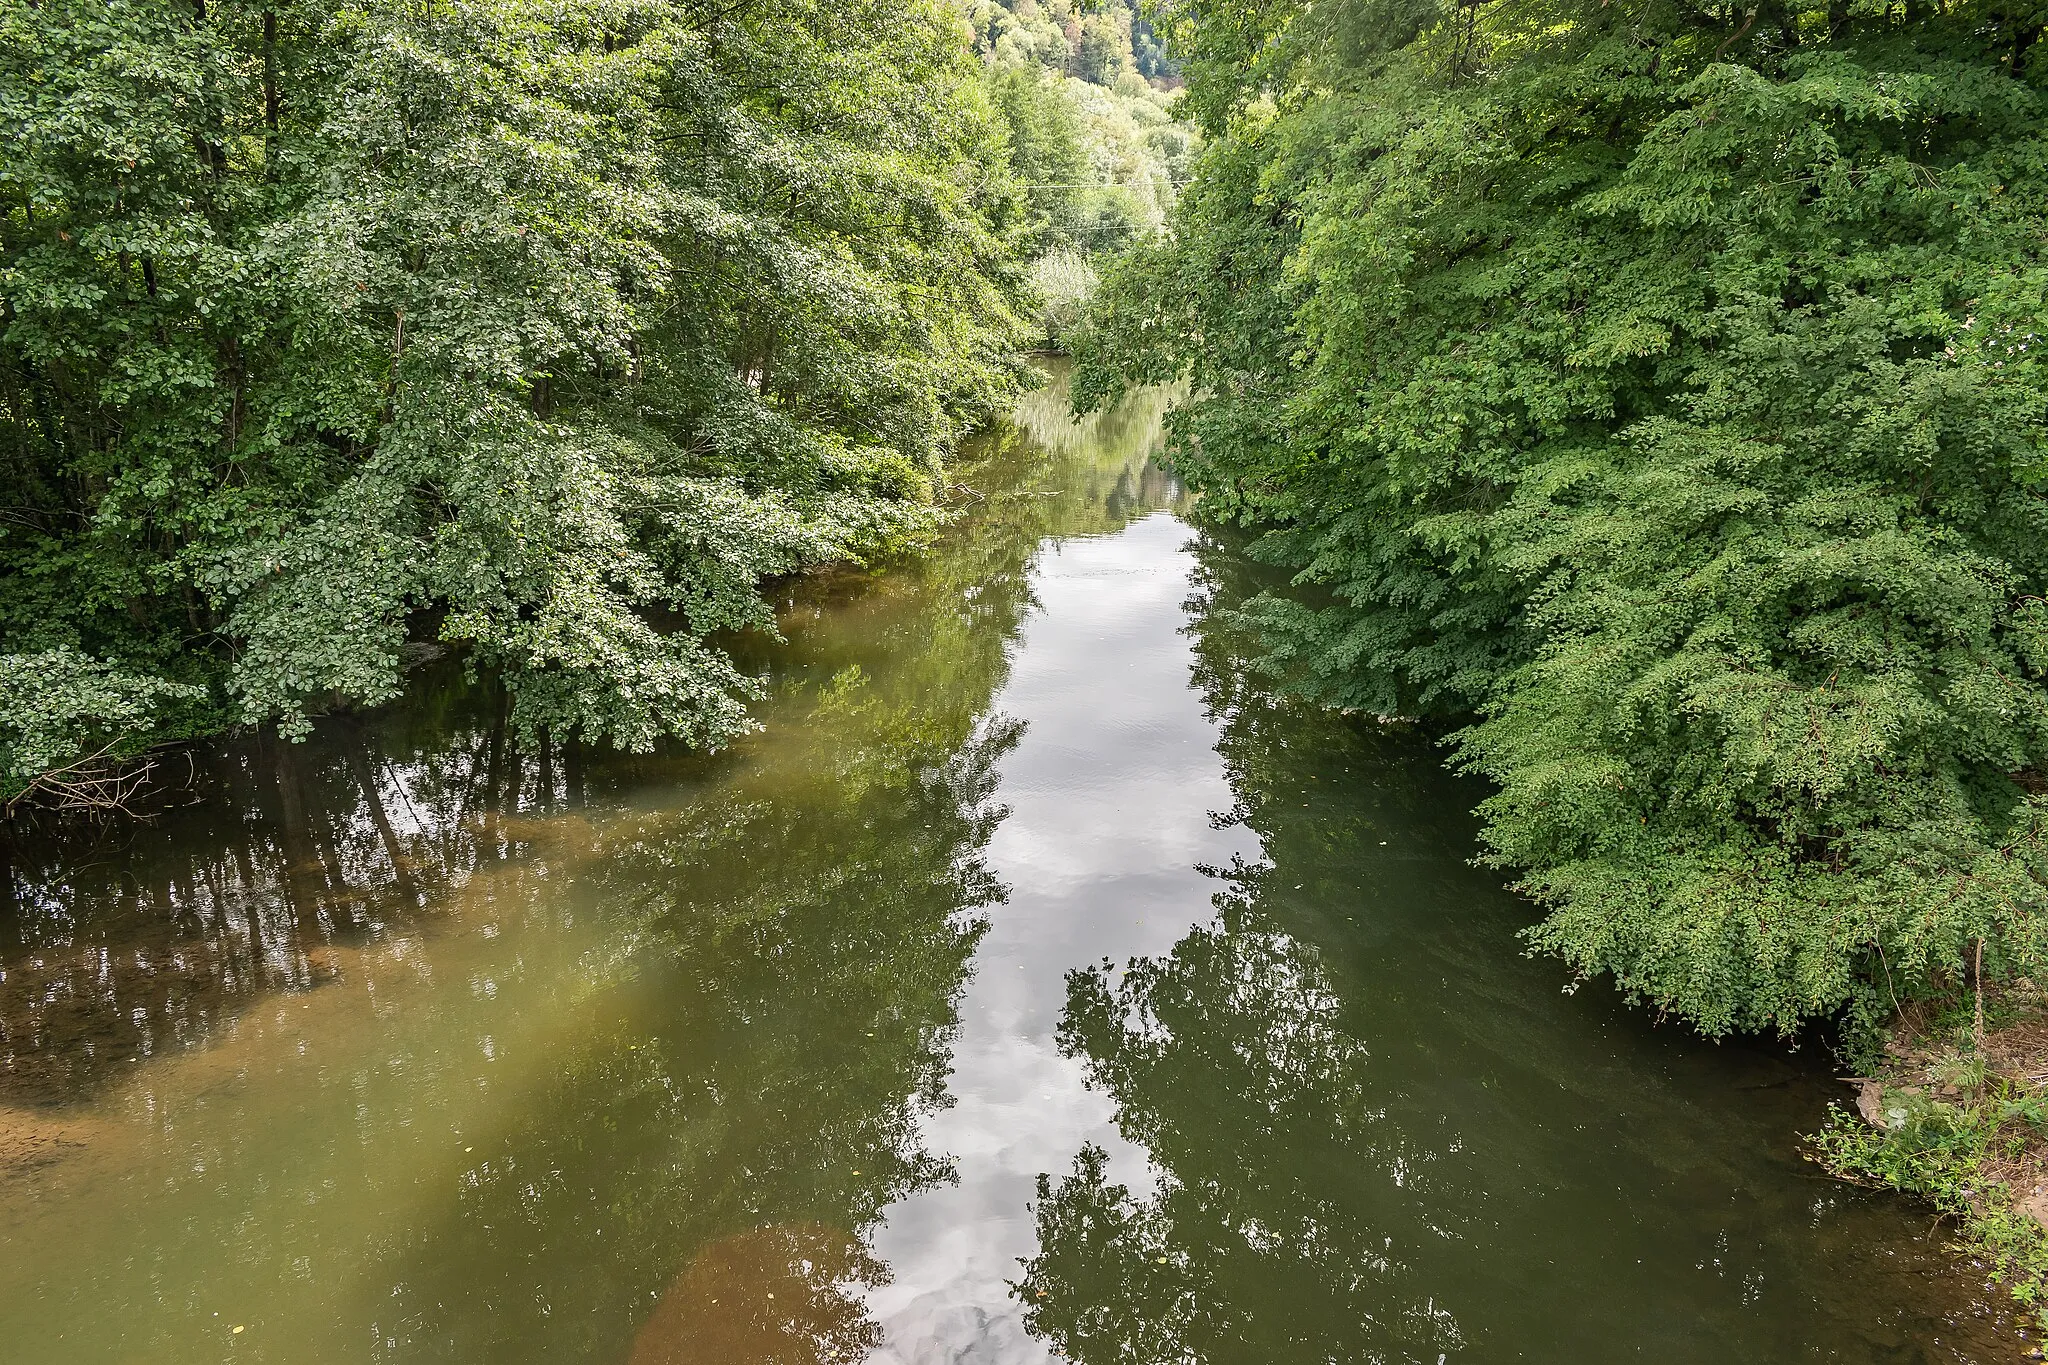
(1658, 390)
(547, 331)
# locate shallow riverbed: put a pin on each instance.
(1036, 985)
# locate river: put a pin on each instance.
(1036, 985)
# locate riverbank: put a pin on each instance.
(1955, 1112)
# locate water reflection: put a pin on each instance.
(407, 1044)
(775, 1295)
(623, 1047)
(1110, 789)
(1377, 1133)
(774, 1002)
(119, 940)
(127, 939)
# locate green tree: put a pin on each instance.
(545, 331)
(1657, 390)
(1102, 51)
(1046, 154)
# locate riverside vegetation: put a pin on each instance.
(1651, 394)
(1648, 395)
(548, 333)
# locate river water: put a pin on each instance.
(1036, 985)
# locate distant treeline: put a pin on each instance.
(1652, 393)
(1091, 98)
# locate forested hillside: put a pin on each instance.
(1651, 396)
(542, 331)
(1090, 97)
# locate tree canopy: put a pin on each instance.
(1651, 393)
(547, 332)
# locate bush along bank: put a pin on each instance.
(1659, 406)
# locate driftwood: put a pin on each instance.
(97, 782)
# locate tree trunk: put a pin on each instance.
(270, 93)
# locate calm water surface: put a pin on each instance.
(1035, 986)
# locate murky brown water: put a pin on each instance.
(1036, 985)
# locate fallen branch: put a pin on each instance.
(96, 782)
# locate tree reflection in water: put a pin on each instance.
(125, 939)
(475, 1053)
(769, 1296)
(1277, 1227)
(1377, 1132)
(1232, 1064)
(784, 963)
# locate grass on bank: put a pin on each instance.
(1955, 1111)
